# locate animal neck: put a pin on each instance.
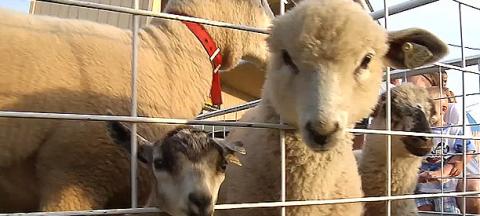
(373, 165)
(226, 40)
(183, 62)
(306, 169)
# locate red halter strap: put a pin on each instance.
(214, 55)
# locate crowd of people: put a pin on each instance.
(442, 169)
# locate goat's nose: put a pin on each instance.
(321, 131)
(203, 202)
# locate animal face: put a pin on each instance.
(327, 64)
(188, 166)
(413, 110)
(186, 187)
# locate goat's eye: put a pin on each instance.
(366, 60)
(159, 164)
(223, 166)
(288, 61)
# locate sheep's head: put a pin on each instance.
(413, 110)
(234, 44)
(188, 165)
(327, 64)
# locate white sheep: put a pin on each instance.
(324, 74)
(412, 110)
(188, 165)
(50, 64)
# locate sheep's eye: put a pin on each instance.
(366, 60)
(159, 164)
(288, 61)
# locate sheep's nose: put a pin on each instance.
(321, 131)
(202, 203)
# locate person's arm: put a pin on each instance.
(456, 164)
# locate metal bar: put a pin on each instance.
(258, 205)
(442, 213)
(36, 115)
(228, 110)
(157, 15)
(456, 96)
(388, 121)
(396, 74)
(399, 8)
(464, 111)
(405, 133)
(283, 170)
(376, 15)
(466, 4)
(283, 165)
(134, 105)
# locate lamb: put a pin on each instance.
(59, 65)
(324, 74)
(412, 110)
(189, 167)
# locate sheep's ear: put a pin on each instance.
(411, 48)
(229, 150)
(121, 135)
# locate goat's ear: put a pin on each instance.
(229, 150)
(121, 135)
(413, 47)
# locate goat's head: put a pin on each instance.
(413, 110)
(235, 44)
(327, 64)
(188, 165)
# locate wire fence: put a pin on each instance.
(202, 120)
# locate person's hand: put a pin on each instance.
(457, 168)
(426, 177)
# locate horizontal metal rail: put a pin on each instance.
(65, 116)
(395, 9)
(120, 9)
(444, 213)
(259, 205)
(402, 7)
(228, 110)
(400, 73)
(37, 115)
(466, 4)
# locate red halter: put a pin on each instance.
(214, 55)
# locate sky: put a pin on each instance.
(441, 18)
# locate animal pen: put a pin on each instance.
(222, 125)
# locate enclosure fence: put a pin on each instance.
(202, 120)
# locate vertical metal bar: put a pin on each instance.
(464, 204)
(213, 131)
(389, 126)
(134, 147)
(283, 166)
(442, 142)
(282, 140)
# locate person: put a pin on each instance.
(430, 178)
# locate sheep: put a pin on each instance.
(50, 64)
(324, 74)
(412, 110)
(189, 167)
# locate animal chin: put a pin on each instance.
(317, 142)
(418, 146)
